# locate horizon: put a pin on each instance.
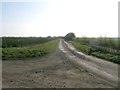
(59, 17)
(59, 36)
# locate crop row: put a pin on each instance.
(98, 52)
(30, 51)
(22, 41)
(101, 41)
(110, 45)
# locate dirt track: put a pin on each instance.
(52, 71)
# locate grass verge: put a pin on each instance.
(30, 51)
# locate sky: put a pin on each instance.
(90, 18)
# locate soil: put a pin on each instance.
(51, 71)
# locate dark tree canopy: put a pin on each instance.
(69, 36)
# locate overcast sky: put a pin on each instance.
(91, 18)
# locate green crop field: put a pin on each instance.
(23, 41)
(106, 48)
(27, 47)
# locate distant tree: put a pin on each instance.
(48, 36)
(69, 36)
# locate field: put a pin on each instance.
(51, 64)
(19, 48)
(8, 42)
(106, 48)
(25, 47)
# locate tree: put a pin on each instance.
(69, 36)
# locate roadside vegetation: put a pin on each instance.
(38, 49)
(102, 47)
(105, 48)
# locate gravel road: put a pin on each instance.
(55, 70)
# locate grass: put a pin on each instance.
(30, 51)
